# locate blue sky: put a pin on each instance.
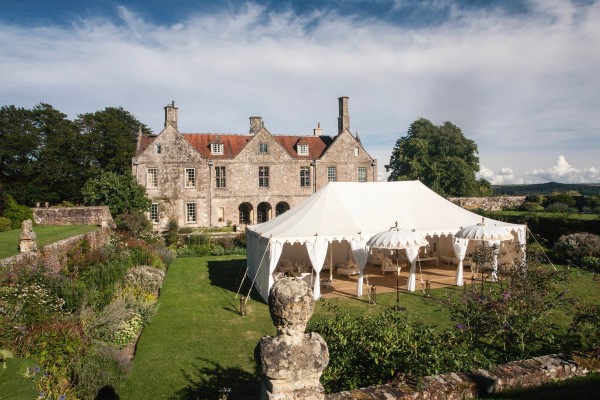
(518, 77)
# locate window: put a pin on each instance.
(263, 177)
(304, 176)
(154, 213)
(152, 178)
(220, 177)
(221, 214)
(190, 213)
(263, 148)
(216, 148)
(190, 177)
(303, 149)
(158, 149)
(356, 152)
(362, 174)
(331, 174)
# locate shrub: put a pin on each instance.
(147, 279)
(575, 247)
(15, 212)
(5, 224)
(371, 350)
(531, 207)
(217, 250)
(559, 207)
(101, 366)
(133, 222)
(172, 234)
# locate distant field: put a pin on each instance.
(549, 188)
(9, 240)
(583, 217)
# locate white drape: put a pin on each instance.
(412, 253)
(360, 251)
(460, 251)
(495, 252)
(317, 252)
(274, 255)
(522, 237)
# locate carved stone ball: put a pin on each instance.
(291, 304)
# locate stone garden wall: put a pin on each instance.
(513, 375)
(488, 203)
(54, 256)
(73, 216)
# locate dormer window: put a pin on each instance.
(302, 149)
(216, 148)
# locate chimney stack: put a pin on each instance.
(255, 125)
(318, 131)
(344, 118)
(171, 115)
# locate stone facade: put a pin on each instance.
(211, 179)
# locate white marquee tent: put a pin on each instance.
(354, 212)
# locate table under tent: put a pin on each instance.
(330, 230)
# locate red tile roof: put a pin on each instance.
(233, 144)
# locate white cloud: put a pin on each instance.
(526, 82)
(503, 177)
(563, 172)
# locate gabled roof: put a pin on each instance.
(233, 144)
(145, 142)
(316, 145)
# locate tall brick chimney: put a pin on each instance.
(255, 125)
(344, 118)
(171, 115)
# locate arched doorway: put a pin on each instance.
(245, 213)
(281, 207)
(263, 212)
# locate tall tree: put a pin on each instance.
(60, 173)
(19, 151)
(110, 138)
(440, 156)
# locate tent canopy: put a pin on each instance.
(345, 210)
(354, 211)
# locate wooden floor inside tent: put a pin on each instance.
(441, 275)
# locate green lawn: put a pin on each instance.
(9, 240)
(197, 343)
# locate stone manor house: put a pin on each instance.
(216, 179)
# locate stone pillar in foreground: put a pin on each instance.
(292, 361)
(28, 240)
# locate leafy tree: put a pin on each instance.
(110, 138)
(441, 157)
(121, 193)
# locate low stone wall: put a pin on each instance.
(54, 255)
(73, 216)
(488, 203)
(513, 375)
